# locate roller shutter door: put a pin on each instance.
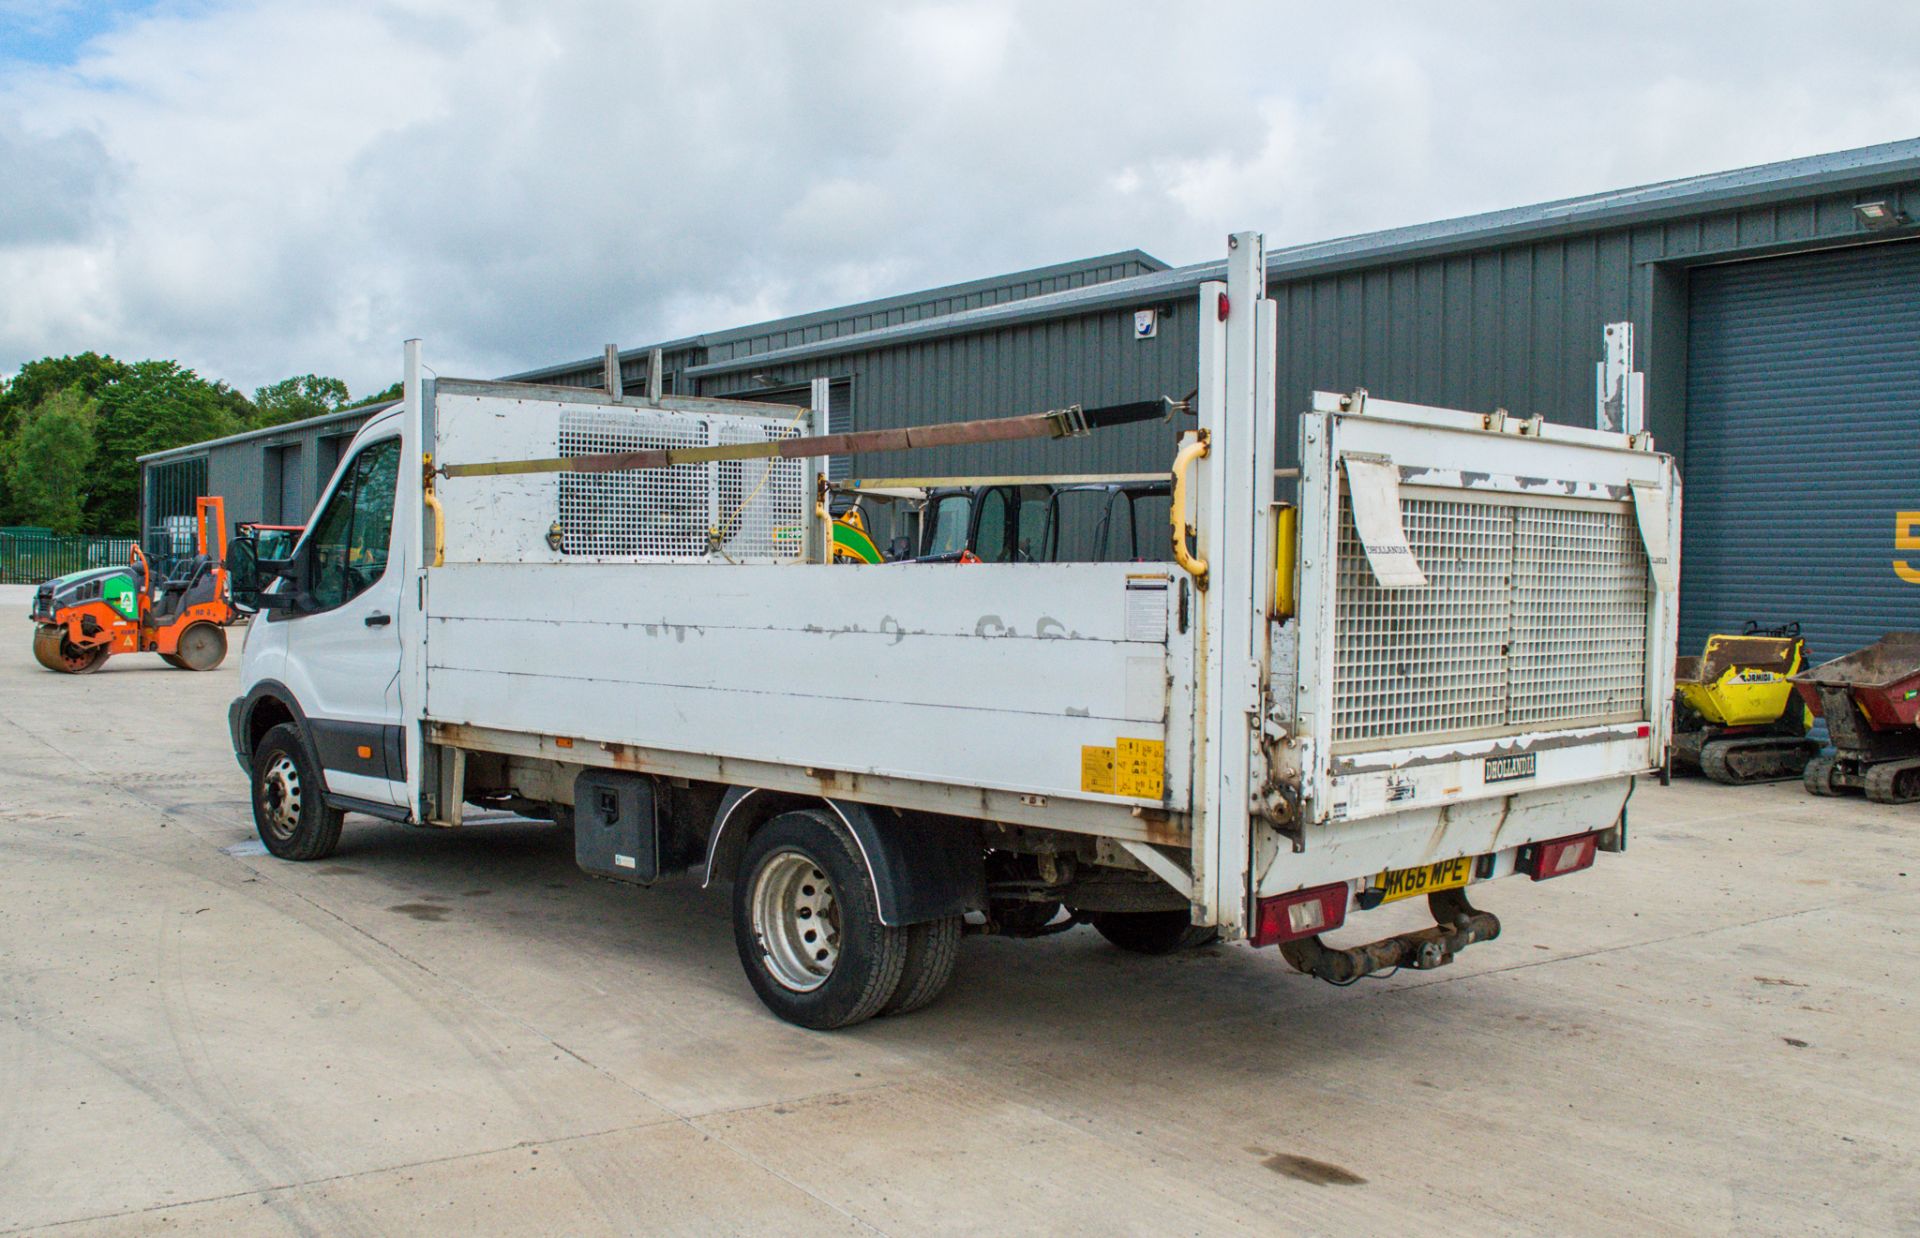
(293, 508)
(1802, 446)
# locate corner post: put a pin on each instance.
(819, 540)
(1236, 491)
(410, 625)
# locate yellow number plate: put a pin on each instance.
(1426, 879)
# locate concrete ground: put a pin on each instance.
(460, 1032)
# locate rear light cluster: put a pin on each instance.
(1289, 917)
(1559, 857)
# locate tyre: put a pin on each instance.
(1152, 932)
(202, 647)
(1818, 776)
(806, 920)
(933, 953)
(289, 801)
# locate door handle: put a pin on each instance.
(378, 620)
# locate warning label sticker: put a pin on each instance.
(1132, 767)
(1096, 770)
(1140, 768)
(1147, 609)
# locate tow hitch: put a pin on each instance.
(1458, 924)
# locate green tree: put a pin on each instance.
(47, 458)
(378, 397)
(237, 405)
(157, 405)
(24, 391)
(297, 398)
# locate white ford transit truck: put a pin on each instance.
(1439, 660)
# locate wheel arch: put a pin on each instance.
(266, 705)
(922, 867)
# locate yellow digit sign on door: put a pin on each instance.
(1906, 536)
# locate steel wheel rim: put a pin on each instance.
(78, 657)
(796, 920)
(197, 645)
(280, 799)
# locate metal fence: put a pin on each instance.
(168, 491)
(30, 558)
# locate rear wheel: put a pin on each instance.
(933, 954)
(806, 921)
(289, 802)
(202, 647)
(1152, 932)
(1818, 776)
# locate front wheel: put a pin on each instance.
(289, 802)
(806, 920)
(53, 650)
(1152, 932)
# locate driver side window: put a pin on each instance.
(351, 537)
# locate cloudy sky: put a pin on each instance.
(267, 187)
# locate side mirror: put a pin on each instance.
(291, 602)
(243, 571)
(293, 599)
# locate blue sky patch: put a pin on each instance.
(52, 32)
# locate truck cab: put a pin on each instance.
(321, 659)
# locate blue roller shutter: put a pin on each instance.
(1802, 445)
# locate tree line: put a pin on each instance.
(72, 430)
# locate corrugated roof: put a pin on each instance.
(1815, 174)
(358, 413)
(880, 306)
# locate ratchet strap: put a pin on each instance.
(1070, 422)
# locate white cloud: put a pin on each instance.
(264, 188)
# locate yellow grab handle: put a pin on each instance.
(1190, 451)
(439, 512)
(1286, 548)
(439, 529)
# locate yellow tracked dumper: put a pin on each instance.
(1736, 716)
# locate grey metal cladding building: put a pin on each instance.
(1776, 313)
(276, 475)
